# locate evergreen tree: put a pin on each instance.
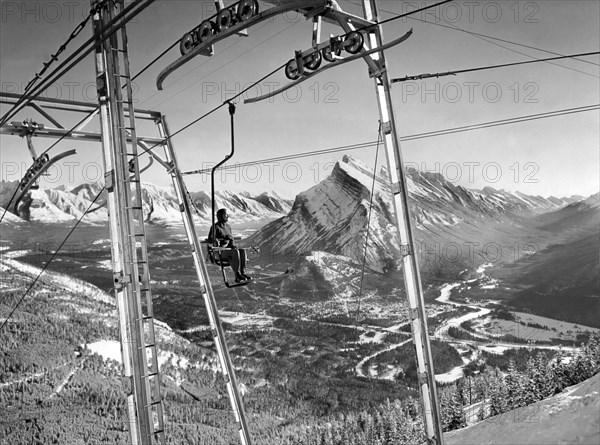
(515, 387)
(497, 393)
(457, 414)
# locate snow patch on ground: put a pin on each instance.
(483, 267)
(244, 319)
(450, 376)
(107, 349)
(445, 292)
(377, 338)
(105, 264)
(490, 286)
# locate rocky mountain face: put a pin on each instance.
(333, 216)
(160, 204)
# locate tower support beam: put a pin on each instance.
(410, 266)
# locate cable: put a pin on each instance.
(485, 38)
(51, 258)
(27, 98)
(61, 48)
(156, 59)
(9, 202)
(482, 68)
(435, 5)
(287, 157)
(498, 123)
(412, 137)
(362, 273)
(511, 42)
(208, 113)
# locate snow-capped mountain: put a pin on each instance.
(242, 206)
(159, 204)
(333, 215)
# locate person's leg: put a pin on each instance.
(234, 261)
(243, 259)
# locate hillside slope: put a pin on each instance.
(563, 280)
(571, 417)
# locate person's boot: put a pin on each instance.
(246, 276)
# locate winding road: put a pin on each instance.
(441, 333)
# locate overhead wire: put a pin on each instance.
(513, 43)
(411, 137)
(112, 27)
(364, 263)
(487, 38)
(61, 48)
(500, 122)
(483, 68)
(218, 107)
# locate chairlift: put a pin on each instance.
(213, 250)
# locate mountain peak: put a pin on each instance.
(333, 215)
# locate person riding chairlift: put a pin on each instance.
(224, 239)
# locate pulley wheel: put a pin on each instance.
(205, 30)
(315, 61)
(328, 53)
(186, 43)
(247, 9)
(353, 42)
(224, 20)
(291, 70)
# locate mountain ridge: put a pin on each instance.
(160, 204)
(333, 215)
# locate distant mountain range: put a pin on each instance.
(160, 204)
(333, 215)
(564, 281)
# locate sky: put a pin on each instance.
(557, 156)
